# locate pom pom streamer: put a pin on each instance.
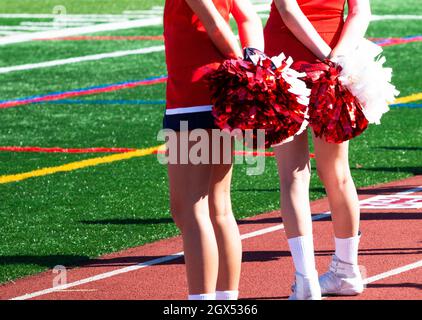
(335, 114)
(364, 75)
(348, 92)
(267, 95)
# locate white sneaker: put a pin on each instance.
(306, 288)
(342, 279)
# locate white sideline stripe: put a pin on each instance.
(56, 23)
(62, 16)
(155, 11)
(6, 33)
(94, 57)
(51, 34)
(116, 19)
(393, 272)
(396, 17)
(170, 112)
(177, 255)
(264, 9)
(24, 28)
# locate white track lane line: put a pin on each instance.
(410, 191)
(177, 255)
(393, 272)
(51, 34)
(171, 257)
(94, 57)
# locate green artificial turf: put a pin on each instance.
(77, 6)
(67, 218)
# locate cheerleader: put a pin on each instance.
(198, 39)
(308, 30)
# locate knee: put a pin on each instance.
(221, 218)
(334, 177)
(299, 179)
(186, 213)
(220, 207)
(177, 211)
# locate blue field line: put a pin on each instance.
(412, 37)
(105, 102)
(382, 41)
(387, 40)
(406, 105)
(84, 89)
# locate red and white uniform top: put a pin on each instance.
(190, 55)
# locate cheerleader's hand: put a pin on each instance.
(336, 58)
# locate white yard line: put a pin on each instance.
(51, 34)
(93, 57)
(152, 17)
(177, 255)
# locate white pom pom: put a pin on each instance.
(366, 78)
(297, 87)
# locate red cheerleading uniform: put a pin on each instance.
(325, 15)
(190, 55)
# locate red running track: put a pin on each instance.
(391, 239)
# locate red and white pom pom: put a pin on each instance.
(268, 95)
(364, 75)
(335, 114)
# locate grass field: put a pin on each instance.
(66, 218)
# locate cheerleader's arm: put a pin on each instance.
(249, 24)
(302, 28)
(217, 28)
(355, 27)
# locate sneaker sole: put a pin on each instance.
(343, 293)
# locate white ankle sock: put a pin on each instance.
(227, 295)
(202, 296)
(347, 249)
(302, 249)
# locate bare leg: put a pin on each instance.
(333, 170)
(294, 171)
(343, 277)
(226, 229)
(189, 187)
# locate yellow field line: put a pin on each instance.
(411, 98)
(78, 165)
(120, 156)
